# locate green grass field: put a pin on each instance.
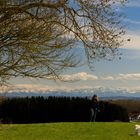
(69, 131)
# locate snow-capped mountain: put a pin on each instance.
(103, 93)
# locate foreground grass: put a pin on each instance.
(69, 131)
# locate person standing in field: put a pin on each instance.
(94, 108)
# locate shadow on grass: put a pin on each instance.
(132, 134)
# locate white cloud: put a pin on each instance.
(133, 3)
(108, 78)
(79, 76)
(36, 88)
(28, 88)
(134, 42)
(117, 81)
(129, 77)
(132, 21)
(133, 76)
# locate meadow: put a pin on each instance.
(69, 131)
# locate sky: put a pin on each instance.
(119, 73)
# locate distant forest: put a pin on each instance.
(57, 109)
(132, 106)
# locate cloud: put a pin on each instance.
(108, 78)
(133, 76)
(131, 21)
(112, 81)
(129, 77)
(28, 88)
(134, 42)
(79, 76)
(133, 3)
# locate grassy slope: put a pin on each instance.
(69, 131)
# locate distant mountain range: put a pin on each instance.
(104, 94)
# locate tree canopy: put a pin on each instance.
(38, 37)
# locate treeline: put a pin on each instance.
(57, 109)
(132, 106)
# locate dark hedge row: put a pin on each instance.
(57, 109)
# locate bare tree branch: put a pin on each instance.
(38, 38)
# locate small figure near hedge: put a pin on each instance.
(94, 108)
